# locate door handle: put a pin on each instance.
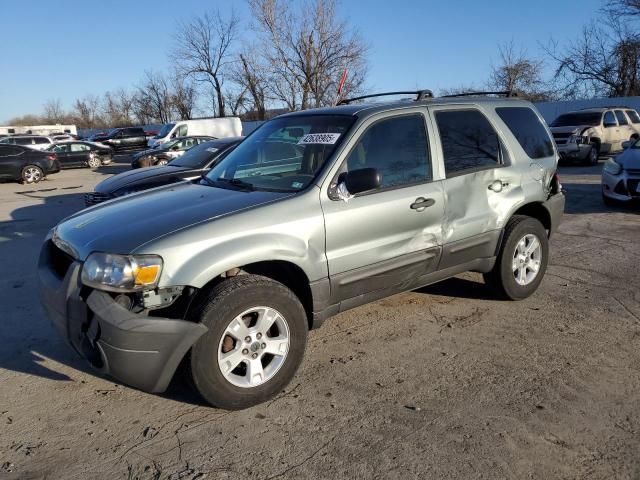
(498, 185)
(421, 203)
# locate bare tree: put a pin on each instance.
(204, 51)
(252, 76)
(86, 112)
(183, 96)
(154, 98)
(516, 72)
(53, 111)
(307, 50)
(602, 61)
(622, 8)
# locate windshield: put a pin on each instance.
(200, 155)
(164, 131)
(284, 154)
(573, 119)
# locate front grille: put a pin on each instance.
(60, 260)
(620, 188)
(93, 198)
(632, 187)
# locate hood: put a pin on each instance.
(629, 159)
(116, 182)
(572, 130)
(122, 225)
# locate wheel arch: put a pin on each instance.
(538, 211)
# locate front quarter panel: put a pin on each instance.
(290, 230)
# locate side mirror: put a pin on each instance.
(361, 180)
(627, 144)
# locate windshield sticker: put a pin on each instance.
(319, 139)
(297, 185)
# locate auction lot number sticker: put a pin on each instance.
(319, 139)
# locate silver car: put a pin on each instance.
(621, 176)
(316, 212)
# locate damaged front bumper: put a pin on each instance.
(138, 350)
(574, 151)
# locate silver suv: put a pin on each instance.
(316, 212)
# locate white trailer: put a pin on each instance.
(212, 127)
(37, 129)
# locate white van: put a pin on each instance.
(212, 127)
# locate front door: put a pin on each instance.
(392, 235)
(611, 133)
(62, 152)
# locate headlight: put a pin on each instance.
(612, 167)
(121, 273)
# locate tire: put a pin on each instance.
(31, 174)
(592, 158)
(94, 161)
(510, 264)
(239, 302)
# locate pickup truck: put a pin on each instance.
(129, 138)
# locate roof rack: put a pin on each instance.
(606, 106)
(507, 93)
(420, 95)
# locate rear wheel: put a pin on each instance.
(255, 342)
(32, 174)
(522, 260)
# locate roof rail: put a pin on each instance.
(420, 95)
(507, 93)
(606, 106)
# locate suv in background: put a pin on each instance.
(230, 271)
(130, 138)
(586, 134)
(37, 142)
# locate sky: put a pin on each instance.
(68, 49)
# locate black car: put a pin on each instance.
(130, 138)
(164, 153)
(26, 164)
(192, 165)
(82, 154)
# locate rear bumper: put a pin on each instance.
(555, 207)
(138, 350)
(53, 168)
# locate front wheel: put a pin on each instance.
(522, 260)
(32, 174)
(593, 155)
(94, 161)
(255, 342)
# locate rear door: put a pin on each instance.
(390, 237)
(10, 161)
(624, 127)
(79, 154)
(62, 151)
(477, 183)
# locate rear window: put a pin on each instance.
(633, 116)
(528, 130)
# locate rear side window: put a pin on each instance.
(469, 142)
(633, 116)
(622, 120)
(23, 141)
(8, 150)
(41, 140)
(528, 130)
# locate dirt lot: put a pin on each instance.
(445, 382)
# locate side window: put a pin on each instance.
(633, 116)
(182, 131)
(397, 147)
(41, 140)
(61, 148)
(78, 147)
(622, 120)
(609, 120)
(10, 151)
(528, 130)
(469, 142)
(23, 141)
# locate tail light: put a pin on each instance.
(52, 157)
(556, 186)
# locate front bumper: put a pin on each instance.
(138, 350)
(574, 151)
(623, 187)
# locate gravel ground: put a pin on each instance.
(443, 382)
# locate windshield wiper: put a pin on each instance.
(236, 182)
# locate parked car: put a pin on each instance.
(26, 164)
(96, 137)
(165, 152)
(228, 273)
(37, 142)
(210, 127)
(130, 138)
(190, 166)
(586, 134)
(82, 154)
(621, 176)
(63, 138)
